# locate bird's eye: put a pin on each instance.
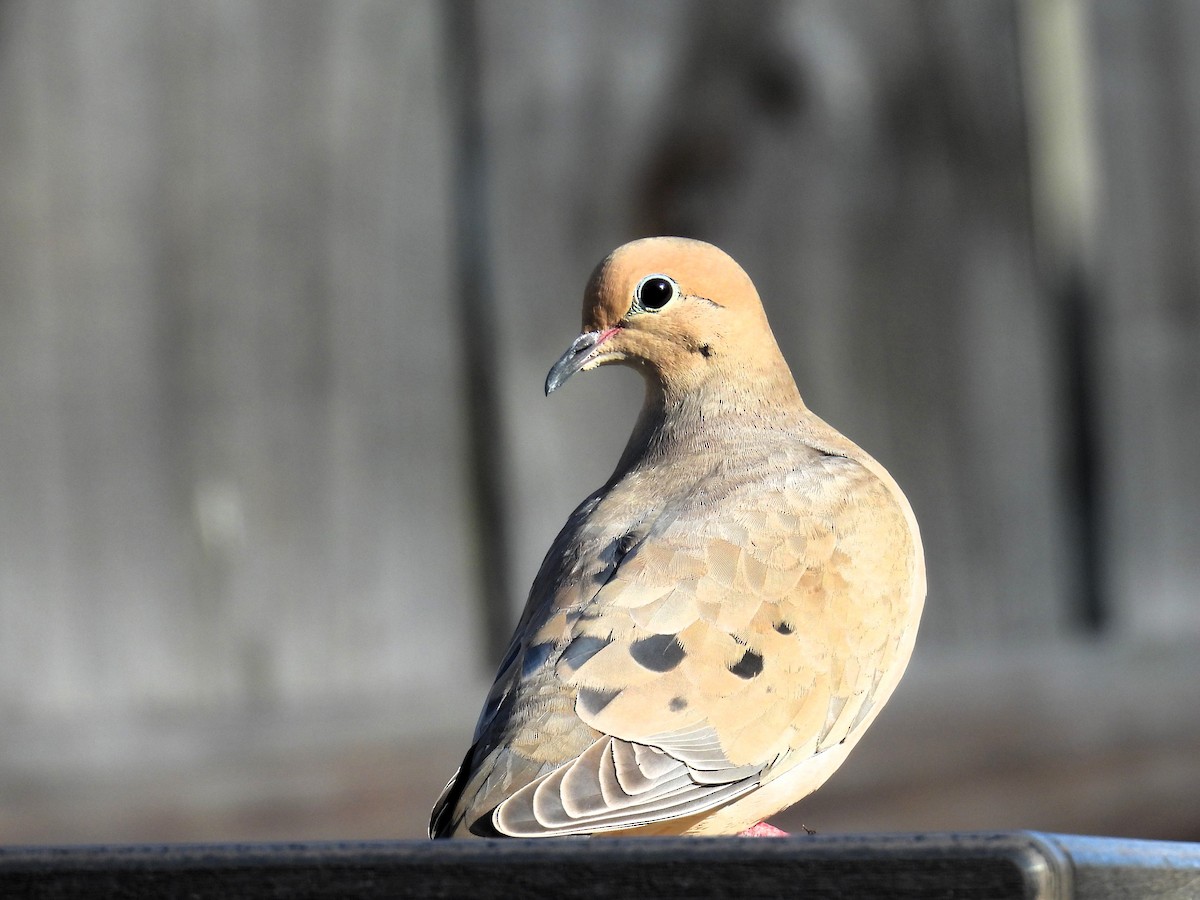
(655, 291)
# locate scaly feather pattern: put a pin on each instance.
(713, 630)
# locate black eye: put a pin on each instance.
(655, 291)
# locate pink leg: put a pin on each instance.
(762, 829)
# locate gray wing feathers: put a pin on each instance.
(619, 784)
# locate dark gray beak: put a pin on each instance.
(574, 359)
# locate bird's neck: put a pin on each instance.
(719, 415)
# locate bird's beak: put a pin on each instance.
(578, 355)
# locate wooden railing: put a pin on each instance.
(1021, 864)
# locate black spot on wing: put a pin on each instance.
(658, 653)
(677, 703)
(625, 546)
(748, 666)
(784, 628)
(591, 701)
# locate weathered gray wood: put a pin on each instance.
(867, 164)
(88, 548)
(229, 285)
(1147, 119)
(231, 444)
(571, 90)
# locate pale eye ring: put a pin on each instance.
(654, 292)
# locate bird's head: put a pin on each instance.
(680, 311)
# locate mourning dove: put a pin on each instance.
(713, 630)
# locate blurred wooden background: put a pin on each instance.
(279, 284)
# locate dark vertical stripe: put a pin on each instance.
(1082, 437)
(476, 308)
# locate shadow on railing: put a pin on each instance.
(1021, 864)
